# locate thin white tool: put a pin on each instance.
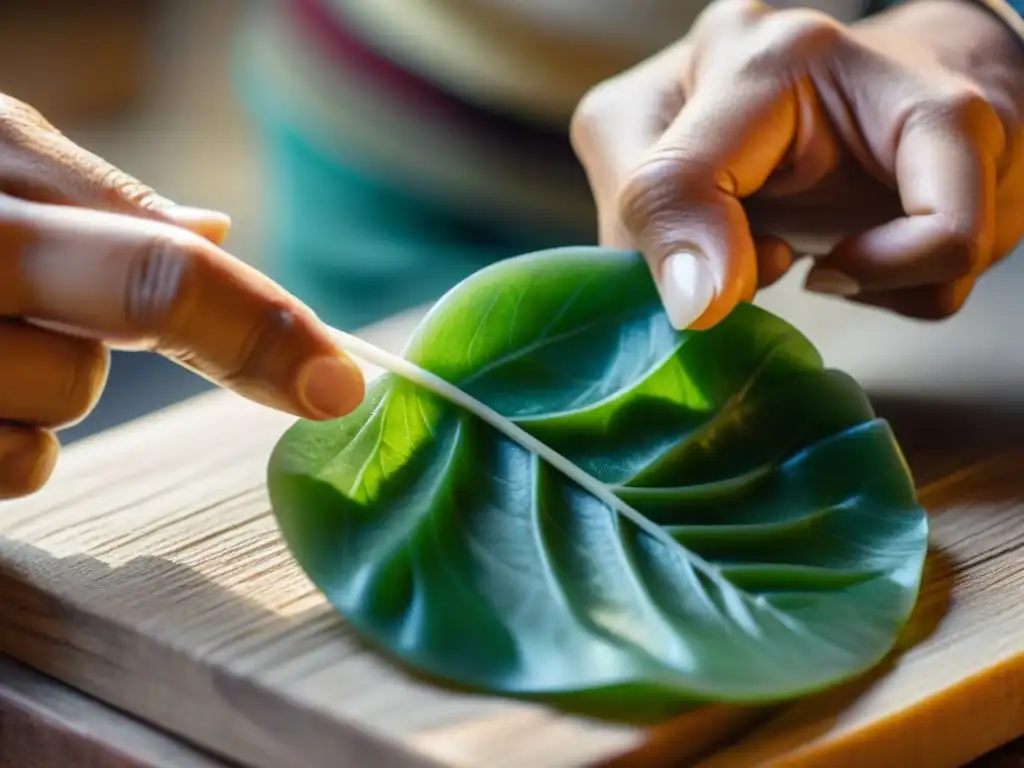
(399, 366)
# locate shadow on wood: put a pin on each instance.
(46, 724)
(108, 660)
(941, 436)
(132, 671)
(128, 670)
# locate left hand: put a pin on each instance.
(900, 139)
(91, 258)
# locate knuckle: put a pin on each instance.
(962, 248)
(965, 108)
(946, 303)
(23, 129)
(804, 30)
(264, 352)
(264, 343)
(724, 15)
(939, 302)
(27, 458)
(159, 280)
(670, 190)
(800, 35)
(586, 118)
(963, 103)
(581, 125)
(19, 122)
(88, 375)
(648, 191)
(123, 187)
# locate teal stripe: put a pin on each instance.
(877, 6)
(1018, 6)
(357, 250)
(358, 246)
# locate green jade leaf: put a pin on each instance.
(662, 517)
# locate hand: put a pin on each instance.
(90, 258)
(898, 140)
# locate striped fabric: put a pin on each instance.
(1011, 12)
(410, 142)
(386, 189)
(533, 57)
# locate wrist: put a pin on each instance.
(1009, 12)
(964, 36)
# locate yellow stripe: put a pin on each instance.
(489, 56)
(1007, 13)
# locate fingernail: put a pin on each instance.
(212, 225)
(331, 387)
(687, 288)
(831, 281)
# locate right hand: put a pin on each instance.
(887, 148)
(91, 259)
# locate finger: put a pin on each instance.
(774, 259)
(27, 458)
(945, 167)
(144, 284)
(925, 302)
(49, 380)
(41, 164)
(617, 122)
(683, 206)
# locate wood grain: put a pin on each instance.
(150, 575)
(44, 724)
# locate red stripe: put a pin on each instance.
(326, 28)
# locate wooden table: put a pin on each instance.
(149, 576)
(45, 724)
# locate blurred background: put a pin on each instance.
(145, 84)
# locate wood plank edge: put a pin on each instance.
(886, 744)
(35, 629)
(45, 724)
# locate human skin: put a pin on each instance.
(91, 259)
(892, 148)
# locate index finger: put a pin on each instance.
(616, 123)
(144, 284)
(683, 205)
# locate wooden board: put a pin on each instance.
(45, 724)
(149, 574)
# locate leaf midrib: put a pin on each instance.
(458, 397)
